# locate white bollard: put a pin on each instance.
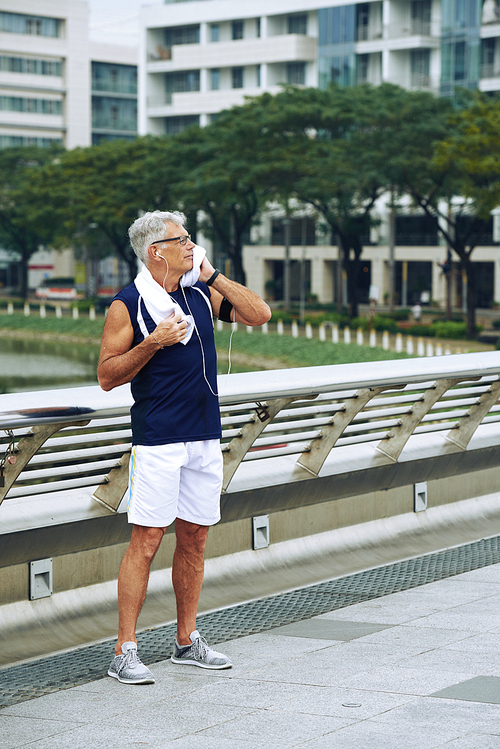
(279, 327)
(359, 337)
(347, 335)
(249, 329)
(373, 338)
(447, 351)
(439, 349)
(26, 309)
(335, 333)
(385, 340)
(429, 350)
(234, 326)
(58, 311)
(409, 345)
(420, 347)
(265, 329)
(43, 311)
(399, 343)
(309, 330)
(322, 332)
(10, 308)
(75, 313)
(295, 329)
(220, 325)
(106, 310)
(91, 312)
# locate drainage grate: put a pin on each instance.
(79, 666)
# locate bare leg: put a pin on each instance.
(187, 575)
(133, 579)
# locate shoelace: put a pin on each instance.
(130, 660)
(200, 647)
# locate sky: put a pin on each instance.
(116, 21)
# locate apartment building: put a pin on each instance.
(56, 85)
(198, 57)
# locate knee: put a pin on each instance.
(146, 541)
(190, 537)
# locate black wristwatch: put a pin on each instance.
(213, 277)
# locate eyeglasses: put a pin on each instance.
(182, 240)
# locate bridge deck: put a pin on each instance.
(416, 667)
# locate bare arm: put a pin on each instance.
(249, 308)
(119, 362)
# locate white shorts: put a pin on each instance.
(179, 480)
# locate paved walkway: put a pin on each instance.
(412, 670)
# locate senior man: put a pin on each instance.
(159, 336)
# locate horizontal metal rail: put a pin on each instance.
(81, 437)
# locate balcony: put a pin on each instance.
(110, 87)
(285, 48)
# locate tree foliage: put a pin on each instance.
(20, 232)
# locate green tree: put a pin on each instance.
(20, 231)
(455, 178)
(95, 193)
(220, 173)
(332, 148)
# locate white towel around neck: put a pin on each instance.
(159, 303)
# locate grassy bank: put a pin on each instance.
(250, 351)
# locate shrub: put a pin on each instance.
(452, 329)
(420, 330)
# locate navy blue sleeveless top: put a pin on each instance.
(172, 400)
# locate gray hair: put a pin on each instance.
(149, 228)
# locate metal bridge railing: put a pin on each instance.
(61, 441)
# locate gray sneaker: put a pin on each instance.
(128, 668)
(199, 654)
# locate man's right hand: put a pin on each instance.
(171, 330)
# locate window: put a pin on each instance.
(215, 79)
(257, 27)
(119, 79)
(175, 125)
(114, 113)
(18, 23)
(362, 68)
(460, 71)
(362, 21)
(421, 17)
(237, 29)
(297, 24)
(420, 67)
(258, 71)
(182, 35)
(182, 81)
(6, 141)
(296, 73)
(30, 65)
(25, 104)
(214, 32)
(237, 77)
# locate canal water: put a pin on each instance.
(45, 365)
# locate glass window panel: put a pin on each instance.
(214, 32)
(237, 29)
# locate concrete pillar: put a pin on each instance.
(309, 332)
(347, 335)
(295, 329)
(335, 333)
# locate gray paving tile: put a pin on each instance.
(461, 716)
(418, 639)
(329, 629)
(353, 704)
(251, 694)
(474, 662)
(373, 733)
(474, 741)
(478, 689)
(393, 678)
(18, 731)
(276, 729)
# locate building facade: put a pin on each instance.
(198, 57)
(58, 86)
